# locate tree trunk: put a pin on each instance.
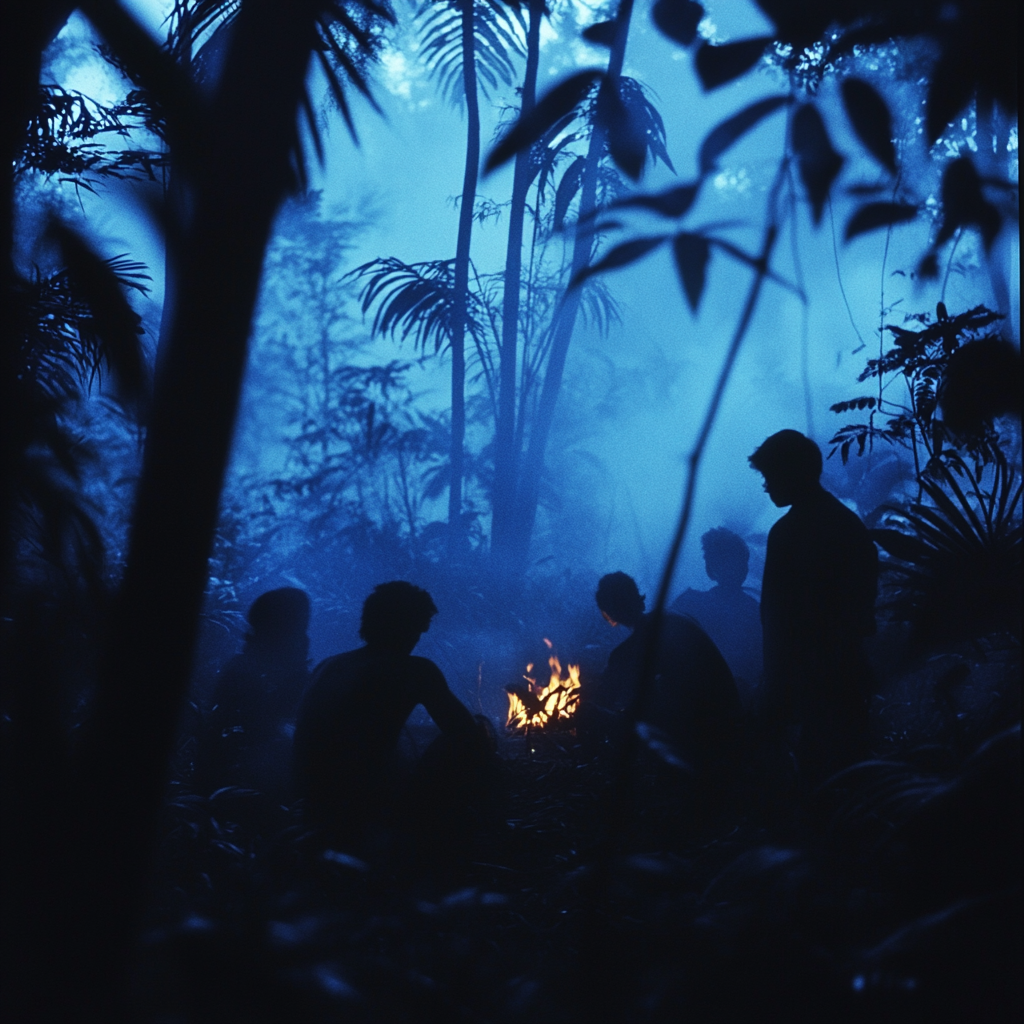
(456, 530)
(146, 660)
(506, 453)
(528, 489)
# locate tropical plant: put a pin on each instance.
(918, 359)
(244, 125)
(955, 560)
(464, 39)
(612, 116)
(64, 139)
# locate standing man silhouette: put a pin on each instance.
(817, 606)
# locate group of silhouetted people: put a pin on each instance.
(797, 664)
(684, 679)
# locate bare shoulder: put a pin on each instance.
(425, 669)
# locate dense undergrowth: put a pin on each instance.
(892, 893)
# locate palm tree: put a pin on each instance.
(505, 451)
(622, 124)
(239, 145)
(465, 41)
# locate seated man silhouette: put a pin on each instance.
(346, 763)
(817, 606)
(692, 699)
(726, 612)
(248, 736)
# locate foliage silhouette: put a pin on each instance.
(920, 359)
(955, 566)
(246, 124)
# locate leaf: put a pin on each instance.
(878, 215)
(865, 402)
(963, 204)
(153, 68)
(555, 104)
(627, 141)
(600, 34)
(567, 189)
(678, 19)
(645, 120)
(717, 65)
(620, 256)
(724, 135)
(871, 120)
(115, 321)
(949, 91)
(691, 253)
(819, 163)
(673, 202)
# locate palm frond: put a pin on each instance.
(499, 33)
(415, 300)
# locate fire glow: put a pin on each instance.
(535, 706)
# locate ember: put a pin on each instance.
(535, 706)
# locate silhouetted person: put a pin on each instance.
(249, 729)
(817, 606)
(692, 698)
(346, 763)
(726, 612)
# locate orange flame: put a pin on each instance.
(535, 706)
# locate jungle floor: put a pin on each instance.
(798, 910)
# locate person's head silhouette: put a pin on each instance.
(278, 621)
(726, 557)
(620, 599)
(395, 616)
(790, 464)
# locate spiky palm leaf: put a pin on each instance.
(350, 39)
(499, 33)
(415, 300)
(956, 561)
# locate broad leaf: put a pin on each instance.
(723, 136)
(963, 204)
(673, 202)
(692, 253)
(678, 19)
(878, 215)
(949, 91)
(819, 163)
(554, 105)
(717, 65)
(600, 34)
(871, 120)
(620, 256)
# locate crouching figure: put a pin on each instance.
(346, 763)
(690, 705)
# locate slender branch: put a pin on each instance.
(839, 278)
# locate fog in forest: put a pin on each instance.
(731, 218)
(635, 391)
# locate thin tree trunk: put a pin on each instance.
(528, 490)
(456, 531)
(506, 456)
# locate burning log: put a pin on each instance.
(534, 706)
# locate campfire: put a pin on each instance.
(538, 706)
